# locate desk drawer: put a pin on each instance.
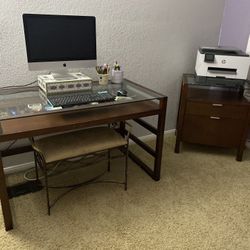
(217, 110)
(224, 132)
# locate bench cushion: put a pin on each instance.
(77, 143)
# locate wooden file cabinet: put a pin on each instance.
(212, 116)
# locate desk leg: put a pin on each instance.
(160, 139)
(122, 128)
(239, 154)
(154, 173)
(180, 117)
(5, 199)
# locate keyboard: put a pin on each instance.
(72, 99)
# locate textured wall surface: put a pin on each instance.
(235, 28)
(155, 41)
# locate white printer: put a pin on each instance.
(222, 62)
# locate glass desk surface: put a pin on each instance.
(28, 101)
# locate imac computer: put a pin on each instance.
(60, 42)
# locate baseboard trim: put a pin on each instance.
(152, 136)
(27, 165)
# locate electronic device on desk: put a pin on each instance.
(60, 42)
(222, 66)
(122, 92)
(73, 99)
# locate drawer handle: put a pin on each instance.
(215, 117)
(217, 105)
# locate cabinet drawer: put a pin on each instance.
(224, 132)
(217, 110)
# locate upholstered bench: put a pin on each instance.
(60, 147)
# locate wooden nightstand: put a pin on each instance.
(212, 116)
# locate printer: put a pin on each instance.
(221, 63)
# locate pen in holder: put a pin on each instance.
(103, 74)
(117, 74)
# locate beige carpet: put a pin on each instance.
(201, 202)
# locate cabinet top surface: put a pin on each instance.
(203, 93)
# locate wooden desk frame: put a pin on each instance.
(25, 127)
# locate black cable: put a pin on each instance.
(10, 145)
(18, 86)
(20, 90)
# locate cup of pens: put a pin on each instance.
(103, 74)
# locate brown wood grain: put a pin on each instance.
(5, 200)
(43, 124)
(212, 116)
(225, 132)
(214, 109)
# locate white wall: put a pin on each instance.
(155, 41)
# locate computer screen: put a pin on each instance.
(60, 41)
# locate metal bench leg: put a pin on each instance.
(47, 188)
(108, 160)
(126, 169)
(36, 166)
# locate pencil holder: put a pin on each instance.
(103, 79)
(117, 76)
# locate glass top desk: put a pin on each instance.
(25, 112)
